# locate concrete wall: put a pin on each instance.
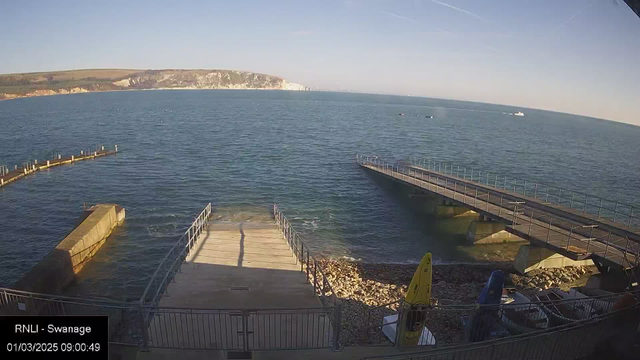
(490, 232)
(532, 257)
(450, 211)
(58, 268)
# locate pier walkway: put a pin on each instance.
(240, 265)
(575, 235)
(241, 287)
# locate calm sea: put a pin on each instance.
(244, 150)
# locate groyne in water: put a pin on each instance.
(8, 176)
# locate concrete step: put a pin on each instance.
(284, 258)
(247, 250)
(255, 247)
(240, 285)
(273, 281)
(276, 286)
(253, 234)
(245, 241)
(257, 264)
(238, 299)
(246, 232)
(277, 265)
(245, 225)
(263, 249)
(221, 234)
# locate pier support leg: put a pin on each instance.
(531, 257)
(485, 231)
(451, 211)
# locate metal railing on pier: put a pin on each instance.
(575, 239)
(312, 269)
(614, 211)
(172, 261)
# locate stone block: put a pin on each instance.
(532, 257)
(489, 232)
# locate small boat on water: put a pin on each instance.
(519, 315)
(519, 113)
(560, 311)
(400, 114)
(429, 116)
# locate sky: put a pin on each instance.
(574, 56)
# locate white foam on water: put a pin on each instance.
(312, 224)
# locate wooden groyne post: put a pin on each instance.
(7, 176)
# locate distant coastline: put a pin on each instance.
(15, 86)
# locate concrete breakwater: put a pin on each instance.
(59, 267)
(8, 175)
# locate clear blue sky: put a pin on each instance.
(576, 56)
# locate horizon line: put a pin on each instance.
(472, 101)
(321, 89)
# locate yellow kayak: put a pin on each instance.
(418, 295)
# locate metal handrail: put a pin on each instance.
(66, 299)
(617, 215)
(509, 342)
(313, 270)
(173, 259)
(604, 297)
(575, 308)
(125, 318)
(238, 329)
(300, 249)
(481, 200)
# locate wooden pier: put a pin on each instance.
(8, 176)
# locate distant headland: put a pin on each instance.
(91, 80)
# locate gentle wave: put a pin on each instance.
(294, 149)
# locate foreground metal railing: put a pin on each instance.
(523, 220)
(453, 324)
(172, 261)
(147, 326)
(313, 328)
(242, 329)
(615, 211)
(568, 341)
(126, 322)
(312, 269)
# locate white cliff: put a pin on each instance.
(112, 80)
